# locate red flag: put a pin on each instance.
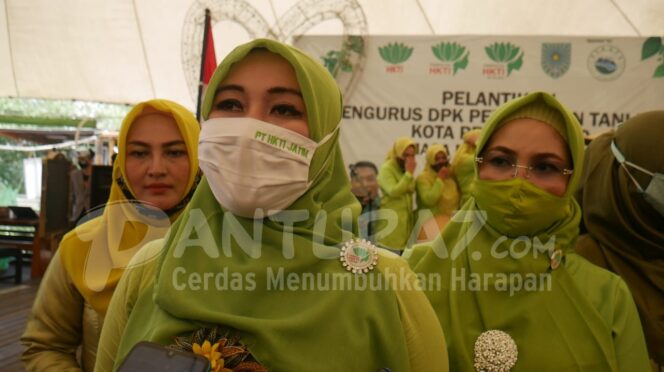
(208, 61)
(209, 57)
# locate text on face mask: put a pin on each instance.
(281, 143)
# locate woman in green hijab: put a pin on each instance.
(258, 269)
(623, 211)
(511, 292)
(397, 185)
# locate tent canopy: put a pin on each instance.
(124, 51)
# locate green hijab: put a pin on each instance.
(627, 234)
(554, 329)
(284, 329)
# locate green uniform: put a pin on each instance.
(285, 305)
(571, 316)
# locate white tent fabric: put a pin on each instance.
(125, 51)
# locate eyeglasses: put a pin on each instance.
(502, 167)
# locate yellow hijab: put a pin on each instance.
(463, 165)
(449, 200)
(400, 145)
(428, 172)
(96, 253)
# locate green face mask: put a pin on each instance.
(516, 207)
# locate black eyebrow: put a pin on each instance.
(174, 143)
(167, 144)
(229, 87)
(275, 90)
(501, 149)
(138, 143)
(282, 90)
(549, 155)
(510, 152)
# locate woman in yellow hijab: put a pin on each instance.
(395, 216)
(463, 164)
(154, 176)
(437, 194)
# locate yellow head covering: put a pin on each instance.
(448, 198)
(96, 252)
(400, 145)
(463, 165)
(431, 158)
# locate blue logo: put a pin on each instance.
(556, 58)
(606, 62)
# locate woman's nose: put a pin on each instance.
(157, 166)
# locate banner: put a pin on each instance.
(435, 88)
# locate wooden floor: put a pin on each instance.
(15, 304)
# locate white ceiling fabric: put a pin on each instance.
(126, 51)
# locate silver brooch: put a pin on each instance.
(556, 258)
(495, 351)
(359, 256)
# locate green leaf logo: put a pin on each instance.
(505, 53)
(451, 52)
(651, 47)
(362, 253)
(395, 53)
(343, 60)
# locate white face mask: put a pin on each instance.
(654, 192)
(255, 169)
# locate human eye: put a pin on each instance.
(176, 153)
(229, 105)
(499, 161)
(286, 110)
(138, 154)
(546, 168)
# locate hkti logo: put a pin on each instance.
(453, 56)
(556, 58)
(606, 63)
(395, 54)
(507, 58)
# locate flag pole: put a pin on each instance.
(203, 56)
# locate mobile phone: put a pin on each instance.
(149, 356)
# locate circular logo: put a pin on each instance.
(359, 256)
(606, 63)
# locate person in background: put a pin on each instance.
(364, 185)
(262, 91)
(153, 179)
(463, 164)
(397, 185)
(79, 179)
(514, 294)
(437, 193)
(622, 199)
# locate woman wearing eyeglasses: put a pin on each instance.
(512, 294)
(622, 196)
(437, 194)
